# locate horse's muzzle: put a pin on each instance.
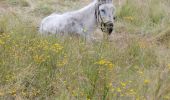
(108, 27)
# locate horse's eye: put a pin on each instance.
(114, 18)
(103, 11)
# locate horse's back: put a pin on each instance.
(53, 23)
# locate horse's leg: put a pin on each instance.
(86, 35)
(79, 30)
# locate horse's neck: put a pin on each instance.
(88, 8)
(87, 13)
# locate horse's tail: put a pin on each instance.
(40, 28)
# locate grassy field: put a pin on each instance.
(134, 66)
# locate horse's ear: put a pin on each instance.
(110, 1)
(105, 1)
(101, 0)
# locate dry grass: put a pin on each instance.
(134, 66)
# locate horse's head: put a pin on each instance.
(105, 14)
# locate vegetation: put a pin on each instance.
(134, 66)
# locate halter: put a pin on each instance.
(98, 16)
(99, 19)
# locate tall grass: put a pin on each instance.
(146, 16)
(64, 68)
(23, 3)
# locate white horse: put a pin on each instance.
(99, 13)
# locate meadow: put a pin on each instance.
(134, 65)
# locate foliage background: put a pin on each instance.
(135, 65)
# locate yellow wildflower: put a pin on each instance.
(122, 95)
(9, 77)
(2, 42)
(74, 93)
(136, 67)
(112, 89)
(123, 84)
(119, 90)
(56, 47)
(110, 85)
(142, 44)
(13, 92)
(130, 81)
(110, 65)
(39, 58)
(1, 94)
(36, 92)
(104, 62)
(24, 93)
(166, 97)
(63, 62)
(169, 66)
(131, 92)
(140, 72)
(138, 98)
(146, 81)
(82, 94)
(101, 62)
